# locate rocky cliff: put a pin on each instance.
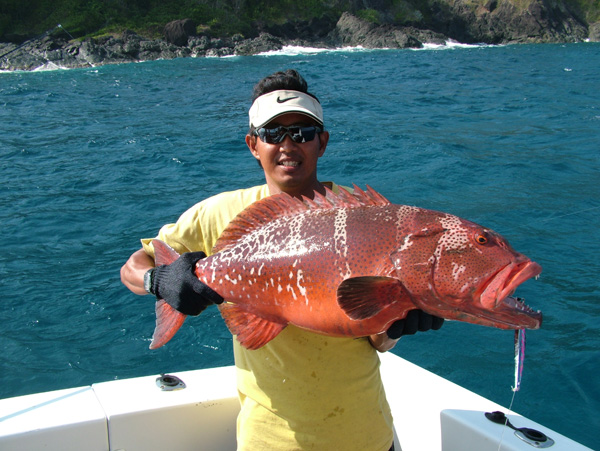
(496, 22)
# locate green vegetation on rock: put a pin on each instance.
(23, 20)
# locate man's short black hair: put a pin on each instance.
(289, 80)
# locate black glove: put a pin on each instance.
(180, 288)
(415, 320)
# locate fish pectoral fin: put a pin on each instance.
(252, 331)
(168, 322)
(364, 297)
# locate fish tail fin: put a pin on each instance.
(168, 320)
(163, 253)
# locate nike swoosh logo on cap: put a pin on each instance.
(280, 100)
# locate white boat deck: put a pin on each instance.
(135, 414)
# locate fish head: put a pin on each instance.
(457, 269)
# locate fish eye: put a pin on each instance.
(481, 238)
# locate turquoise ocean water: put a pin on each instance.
(94, 159)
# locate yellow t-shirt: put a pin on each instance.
(301, 391)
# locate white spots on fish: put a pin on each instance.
(230, 280)
(287, 240)
(265, 287)
(299, 284)
(407, 243)
(340, 242)
(457, 270)
(340, 236)
(383, 215)
(257, 246)
(455, 238)
(294, 241)
(207, 273)
(345, 270)
(299, 289)
(290, 289)
(294, 247)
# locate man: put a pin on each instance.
(302, 390)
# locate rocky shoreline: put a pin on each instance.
(56, 50)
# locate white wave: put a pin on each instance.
(49, 66)
(293, 50)
(46, 67)
(451, 44)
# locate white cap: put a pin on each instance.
(273, 104)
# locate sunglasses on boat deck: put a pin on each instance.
(299, 134)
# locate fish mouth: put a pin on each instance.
(518, 304)
(500, 307)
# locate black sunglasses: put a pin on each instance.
(299, 134)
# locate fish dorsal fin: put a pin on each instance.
(257, 215)
(252, 331)
(282, 205)
(370, 197)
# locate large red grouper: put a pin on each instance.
(350, 265)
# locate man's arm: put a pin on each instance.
(175, 283)
(382, 342)
(132, 272)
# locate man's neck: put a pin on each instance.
(307, 191)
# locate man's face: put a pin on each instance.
(290, 167)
